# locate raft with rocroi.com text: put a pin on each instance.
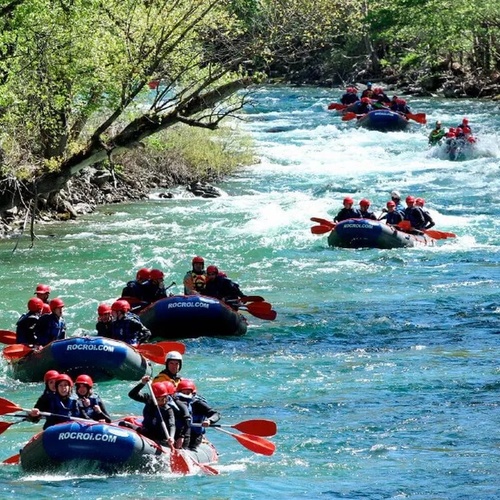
(99, 357)
(98, 447)
(366, 233)
(188, 316)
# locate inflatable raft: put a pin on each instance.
(88, 447)
(99, 357)
(188, 316)
(383, 120)
(366, 233)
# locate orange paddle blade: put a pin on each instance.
(349, 116)
(14, 459)
(257, 427)
(168, 346)
(16, 351)
(337, 106)
(321, 229)
(153, 352)
(7, 337)
(323, 222)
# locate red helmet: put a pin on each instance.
(46, 309)
(35, 305)
(42, 289)
(465, 121)
(410, 199)
(186, 384)
(169, 387)
(156, 274)
(50, 375)
(55, 303)
(420, 202)
(377, 90)
(348, 200)
(142, 274)
(120, 306)
(391, 204)
(103, 309)
(364, 203)
(159, 389)
(212, 270)
(401, 101)
(63, 377)
(84, 379)
(198, 259)
(365, 100)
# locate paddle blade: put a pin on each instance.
(336, 106)
(259, 307)
(256, 444)
(251, 298)
(7, 337)
(14, 459)
(168, 346)
(153, 352)
(16, 351)
(323, 222)
(7, 406)
(404, 225)
(257, 427)
(321, 229)
(5, 425)
(179, 463)
(263, 313)
(349, 116)
(418, 117)
(439, 235)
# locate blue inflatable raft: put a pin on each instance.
(383, 120)
(188, 316)
(366, 233)
(99, 357)
(89, 447)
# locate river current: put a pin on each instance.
(381, 369)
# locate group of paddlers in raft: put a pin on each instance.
(170, 400)
(44, 321)
(461, 132)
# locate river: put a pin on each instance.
(381, 369)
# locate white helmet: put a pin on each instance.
(176, 356)
(396, 194)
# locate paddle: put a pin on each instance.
(5, 425)
(168, 346)
(321, 229)
(253, 443)
(16, 351)
(350, 115)
(439, 235)
(418, 117)
(251, 298)
(153, 352)
(257, 427)
(178, 463)
(260, 312)
(323, 222)
(337, 106)
(14, 459)
(7, 337)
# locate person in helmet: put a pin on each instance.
(62, 404)
(51, 326)
(414, 214)
(363, 106)
(202, 415)
(347, 212)
(396, 198)
(429, 222)
(173, 365)
(43, 403)
(154, 288)
(104, 320)
(392, 216)
(194, 279)
(364, 210)
(221, 287)
(42, 292)
(436, 134)
(399, 106)
(350, 96)
(464, 128)
(380, 97)
(26, 324)
(135, 288)
(175, 415)
(368, 92)
(127, 326)
(89, 404)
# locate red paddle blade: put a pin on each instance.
(349, 116)
(321, 229)
(418, 117)
(14, 459)
(337, 106)
(7, 337)
(7, 406)
(256, 444)
(269, 315)
(405, 225)
(259, 306)
(152, 352)
(178, 463)
(323, 222)
(4, 426)
(16, 351)
(257, 427)
(439, 235)
(168, 346)
(251, 298)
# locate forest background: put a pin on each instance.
(104, 100)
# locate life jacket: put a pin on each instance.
(196, 416)
(66, 407)
(25, 328)
(89, 410)
(50, 327)
(129, 329)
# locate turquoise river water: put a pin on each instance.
(381, 369)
